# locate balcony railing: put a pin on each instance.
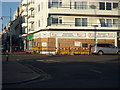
(72, 24)
(31, 16)
(82, 7)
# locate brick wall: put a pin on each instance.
(50, 42)
(65, 43)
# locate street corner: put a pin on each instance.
(15, 72)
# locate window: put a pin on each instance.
(32, 26)
(102, 5)
(108, 6)
(109, 22)
(54, 20)
(115, 22)
(32, 14)
(84, 21)
(80, 21)
(105, 6)
(54, 3)
(38, 23)
(38, 8)
(115, 5)
(60, 20)
(100, 45)
(60, 2)
(111, 46)
(102, 22)
(49, 4)
(80, 5)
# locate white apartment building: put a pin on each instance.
(52, 24)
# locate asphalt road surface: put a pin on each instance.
(79, 71)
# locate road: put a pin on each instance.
(79, 71)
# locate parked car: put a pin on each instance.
(105, 48)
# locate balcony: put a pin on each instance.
(24, 25)
(69, 25)
(31, 20)
(24, 3)
(31, 6)
(72, 10)
(24, 13)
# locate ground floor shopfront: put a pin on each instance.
(52, 42)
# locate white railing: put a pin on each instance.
(72, 24)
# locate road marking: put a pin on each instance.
(96, 71)
(40, 60)
(47, 61)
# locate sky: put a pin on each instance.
(5, 11)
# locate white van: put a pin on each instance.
(104, 48)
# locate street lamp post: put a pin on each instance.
(95, 36)
(10, 33)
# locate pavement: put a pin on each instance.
(14, 72)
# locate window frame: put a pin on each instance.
(54, 22)
(115, 3)
(102, 7)
(107, 22)
(80, 5)
(107, 6)
(39, 8)
(102, 24)
(54, 3)
(39, 24)
(80, 22)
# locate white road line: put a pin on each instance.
(47, 61)
(96, 71)
(40, 60)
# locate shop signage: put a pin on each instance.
(29, 37)
(84, 35)
(74, 35)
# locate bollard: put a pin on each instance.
(7, 55)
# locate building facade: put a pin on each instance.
(52, 24)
